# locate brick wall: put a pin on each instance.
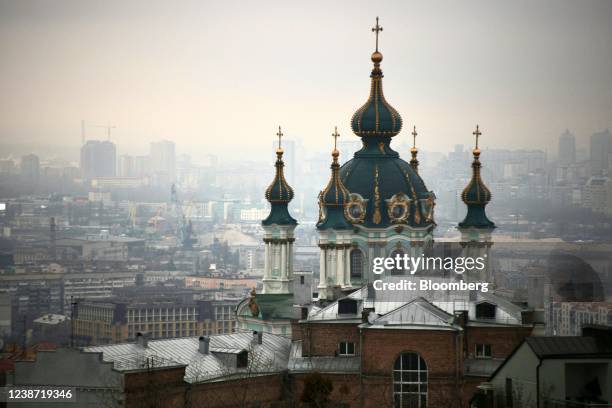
(323, 339)
(503, 340)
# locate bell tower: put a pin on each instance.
(476, 228)
(278, 231)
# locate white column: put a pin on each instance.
(340, 266)
(277, 256)
(267, 270)
(322, 269)
(290, 260)
(347, 267)
(283, 264)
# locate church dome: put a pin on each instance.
(376, 117)
(476, 195)
(279, 193)
(383, 189)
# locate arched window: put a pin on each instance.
(410, 381)
(356, 263)
(394, 253)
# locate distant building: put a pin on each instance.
(568, 318)
(30, 168)
(98, 159)
(118, 320)
(601, 148)
(163, 162)
(126, 166)
(598, 195)
(567, 148)
(7, 167)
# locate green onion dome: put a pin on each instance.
(376, 117)
(279, 193)
(333, 199)
(476, 195)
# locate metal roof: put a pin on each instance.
(387, 301)
(270, 356)
(564, 346)
(328, 364)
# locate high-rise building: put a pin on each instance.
(567, 148)
(163, 161)
(126, 166)
(98, 159)
(601, 148)
(30, 167)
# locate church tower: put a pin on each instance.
(335, 231)
(278, 231)
(476, 228)
(374, 205)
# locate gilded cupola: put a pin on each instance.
(476, 195)
(334, 198)
(279, 193)
(376, 117)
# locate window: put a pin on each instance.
(242, 359)
(485, 310)
(356, 263)
(394, 253)
(410, 381)
(483, 351)
(301, 279)
(346, 348)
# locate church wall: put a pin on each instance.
(323, 339)
(255, 391)
(437, 347)
(503, 340)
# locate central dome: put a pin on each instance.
(385, 188)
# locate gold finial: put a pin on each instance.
(335, 135)
(376, 29)
(477, 133)
(414, 135)
(279, 134)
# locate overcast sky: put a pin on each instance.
(220, 74)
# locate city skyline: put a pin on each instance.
(155, 75)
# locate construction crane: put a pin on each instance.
(184, 227)
(108, 128)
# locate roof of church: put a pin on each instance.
(383, 189)
(279, 193)
(334, 198)
(476, 195)
(376, 117)
(418, 308)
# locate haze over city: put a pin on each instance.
(219, 77)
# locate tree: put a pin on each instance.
(317, 390)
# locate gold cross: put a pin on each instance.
(335, 135)
(377, 28)
(414, 135)
(279, 134)
(477, 133)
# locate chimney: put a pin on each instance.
(142, 339)
(461, 317)
(204, 347)
(257, 337)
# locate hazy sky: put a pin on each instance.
(213, 75)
